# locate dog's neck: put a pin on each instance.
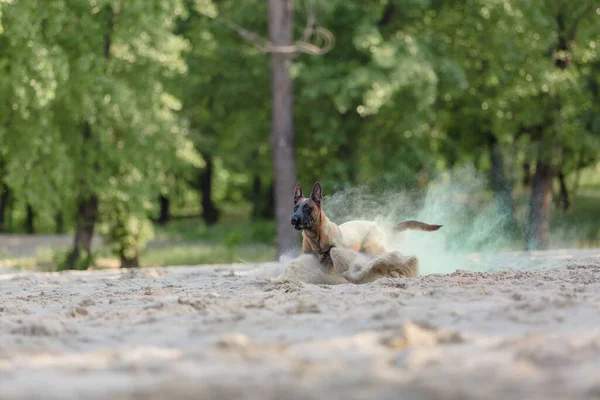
(324, 235)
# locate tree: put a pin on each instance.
(368, 106)
(105, 132)
(225, 125)
(32, 160)
(113, 110)
(554, 98)
(522, 91)
(4, 198)
(283, 50)
(282, 125)
(481, 49)
(164, 214)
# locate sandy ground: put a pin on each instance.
(21, 245)
(229, 333)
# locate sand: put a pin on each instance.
(228, 332)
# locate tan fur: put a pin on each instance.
(362, 236)
(416, 225)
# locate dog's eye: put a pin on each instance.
(295, 208)
(305, 208)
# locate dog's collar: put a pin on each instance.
(326, 250)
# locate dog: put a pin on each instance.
(320, 235)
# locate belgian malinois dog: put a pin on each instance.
(319, 234)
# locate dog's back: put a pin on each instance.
(357, 234)
(369, 237)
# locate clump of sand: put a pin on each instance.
(360, 268)
(349, 267)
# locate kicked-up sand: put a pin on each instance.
(229, 332)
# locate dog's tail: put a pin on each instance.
(416, 226)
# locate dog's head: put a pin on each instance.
(307, 211)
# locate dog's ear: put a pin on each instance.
(317, 193)
(297, 192)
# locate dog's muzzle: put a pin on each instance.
(297, 222)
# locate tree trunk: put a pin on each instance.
(575, 187)
(347, 155)
(165, 210)
(29, 220)
(257, 198)
(59, 222)
(4, 198)
(538, 233)
(281, 34)
(9, 222)
(87, 208)
(538, 229)
(388, 14)
(347, 151)
(210, 213)
(262, 198)
(269, 197)
(500, 186)
(87, 212)
(526, 174)
(563, 195)
(130, 262)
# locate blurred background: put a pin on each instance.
(172, 132)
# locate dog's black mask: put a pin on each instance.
(302, 217)
(306, 210)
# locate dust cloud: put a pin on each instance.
(473, 221)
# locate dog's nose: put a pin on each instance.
(295, 220)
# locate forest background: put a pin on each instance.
(169, 132)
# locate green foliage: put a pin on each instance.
(85, 261)
(231, 232)
(127, 99)
(225, 94)
(580, 225)
(87, 110)
(206, 254)
(128, 232)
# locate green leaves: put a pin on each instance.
(411, 86)
(88, 109)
